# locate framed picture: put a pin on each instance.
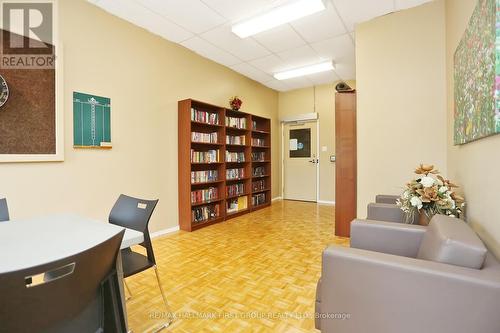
(91, 121)
(31, 84)
(477, 76)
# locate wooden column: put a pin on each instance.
(345, 169)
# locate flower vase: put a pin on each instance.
(423, 219)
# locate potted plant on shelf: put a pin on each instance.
(430, 194)
(235, 103)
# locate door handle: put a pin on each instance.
(314, 160)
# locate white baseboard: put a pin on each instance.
(326, 202)
(164, 232)
(277, 198)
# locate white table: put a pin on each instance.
(36, 241)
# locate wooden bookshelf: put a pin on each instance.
(249, 147)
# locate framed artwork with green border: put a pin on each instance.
(91, 121)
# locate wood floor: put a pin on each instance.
(254, 273)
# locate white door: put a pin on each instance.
(300, 161)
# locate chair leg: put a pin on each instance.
(128, 290)
(169, 311)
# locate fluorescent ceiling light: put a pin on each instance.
(278, 16)
(317, 68)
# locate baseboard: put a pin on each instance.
(326, 202)
(164, 232)
(277, 198)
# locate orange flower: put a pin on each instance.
(425, 169)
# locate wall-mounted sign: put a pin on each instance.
(91, 121)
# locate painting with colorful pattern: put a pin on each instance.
(477, 75)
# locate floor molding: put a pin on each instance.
(277, 198)
(164, 232)
(326, 202)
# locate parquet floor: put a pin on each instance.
(254, 273)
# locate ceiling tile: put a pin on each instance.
(339, 49)
(280, 39)
(301, 56)
(245, 49)
(298, 82)
(323, 78)
(319, 26)
(405, 4)
(235, 10)
(205, 49)
(357, 11)
(192, 15)
(269, 64)
(252, 72)
(135, 13)
(277, 85)
(346, 70)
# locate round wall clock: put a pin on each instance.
(4, 91)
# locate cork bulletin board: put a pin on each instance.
(31, 124)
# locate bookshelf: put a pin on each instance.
(224, 163)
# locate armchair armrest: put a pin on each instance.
(386, 237)
(384, 293)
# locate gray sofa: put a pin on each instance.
(401, 278)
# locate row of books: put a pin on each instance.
(204, 176)
(258, 185)
(237, 204)
(258, 199)
(207, 194)
(258, 156)
(258, 142)
(233, 156)
(208, 156)
(235, 139)
(259, 171)
(205, 213)
(204, 137)
(204, 117)
(236, 122)
(235, 173)
(235, 189)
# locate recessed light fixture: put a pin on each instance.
(278, 16)
(317, 68)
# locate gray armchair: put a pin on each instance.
(386, 198)
(400, 278)
(384, 209)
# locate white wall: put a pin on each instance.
(401, 84)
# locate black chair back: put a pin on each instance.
(134, 213)
(47, 297)
(4, 210)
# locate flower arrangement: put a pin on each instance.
(430, 194)
(235, 103)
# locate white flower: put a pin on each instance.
(416, 202)
(427, 181)
(443, 189)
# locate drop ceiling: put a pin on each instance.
(204, 26)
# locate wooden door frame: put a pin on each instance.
(302, 118)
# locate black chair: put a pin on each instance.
(134, 213)
(79, 293)
(4, 210)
